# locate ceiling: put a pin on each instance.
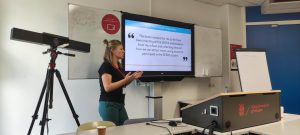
(241, 3)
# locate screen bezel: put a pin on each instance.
(160, 21)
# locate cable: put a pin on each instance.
(165, 121)
(159, 126)
(212, 128)
(230, 131)
(159, 121)
(203, 131)
(172, 123)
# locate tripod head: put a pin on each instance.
(53, 54)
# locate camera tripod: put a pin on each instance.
(47, 91)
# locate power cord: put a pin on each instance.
(148, 123)
(211, 128)
(203, 131)
(172, 123)
(165, 121)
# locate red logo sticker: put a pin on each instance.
(241, 110)
(110, 24)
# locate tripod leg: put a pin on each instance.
(57, 73)
(48, 94)
(45, 113)
(35, 116)
(50, 88)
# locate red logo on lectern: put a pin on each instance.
(110, 24)
(242, 110)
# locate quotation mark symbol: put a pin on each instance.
(130, 35)
(185, 58)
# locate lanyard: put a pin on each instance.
(123, 75)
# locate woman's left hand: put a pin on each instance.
(137, 74)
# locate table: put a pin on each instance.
(289, 125)
(141, 129)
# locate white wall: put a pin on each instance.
(234, 23)
(237, 35)
(23, 67)
(225, 50)
(189, 11)
(193, 12)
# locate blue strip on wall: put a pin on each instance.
(253, 14)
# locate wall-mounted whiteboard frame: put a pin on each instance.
(253, 69)
(208, 52)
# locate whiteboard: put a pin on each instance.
(85, 25)
(253, 69)
(208, 52)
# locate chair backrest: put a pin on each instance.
(139, 120)
(94, 125)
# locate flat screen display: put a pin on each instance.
(157, 46)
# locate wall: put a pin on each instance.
(233, 31)
(23, 67)
(203, 15)
(236, 35)
(1, 66)
(189, 11)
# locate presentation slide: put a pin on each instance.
(155, 47)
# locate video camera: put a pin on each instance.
(49, 39)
